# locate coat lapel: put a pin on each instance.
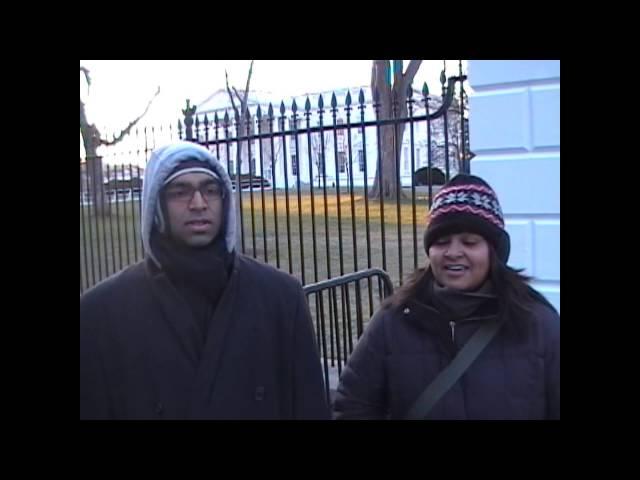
(178, 315)
(216, 342)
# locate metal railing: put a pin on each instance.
(339, 313)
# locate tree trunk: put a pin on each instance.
(242, 153)
(91, 141)
(390, 146)
(390, 135)
(96, 180)
(241, 147)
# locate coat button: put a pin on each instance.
(159, 408)
(406, 311)
(260, 393)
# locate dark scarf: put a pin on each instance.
(199, 274)
(456, 305)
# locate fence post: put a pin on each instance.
(188, 113)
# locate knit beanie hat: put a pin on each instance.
(468, 204)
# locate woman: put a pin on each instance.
(466, 290)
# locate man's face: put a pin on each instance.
(194, 207)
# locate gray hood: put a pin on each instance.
(163, 161)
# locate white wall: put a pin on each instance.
(515, 133)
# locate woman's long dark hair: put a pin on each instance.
(515, 297)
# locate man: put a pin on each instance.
(196, 330)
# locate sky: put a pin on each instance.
(121, 89)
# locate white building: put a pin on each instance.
(304, 159)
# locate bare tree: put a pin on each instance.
(92, 139)
(244, 128)
(460, 136)
(390, 135)
(454, 139)
(455, 136)
(269, 158)
(262, 150)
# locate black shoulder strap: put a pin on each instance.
(450, 375)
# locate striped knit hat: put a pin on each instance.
(468, 204)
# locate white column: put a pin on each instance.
(515, 134)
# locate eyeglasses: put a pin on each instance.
(183, 193)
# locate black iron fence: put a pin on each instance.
(303, 183)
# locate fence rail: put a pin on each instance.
(342, 298)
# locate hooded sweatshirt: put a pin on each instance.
(199, 274)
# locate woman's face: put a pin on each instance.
(460, 261)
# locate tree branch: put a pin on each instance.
(373, 79)
(131, 125)
(379, 76)
(90, 133)
(233, 104)
(239, 97)
(412, 69)
(397, 74)
(86, 76)
(83, 115)
(246, 89)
